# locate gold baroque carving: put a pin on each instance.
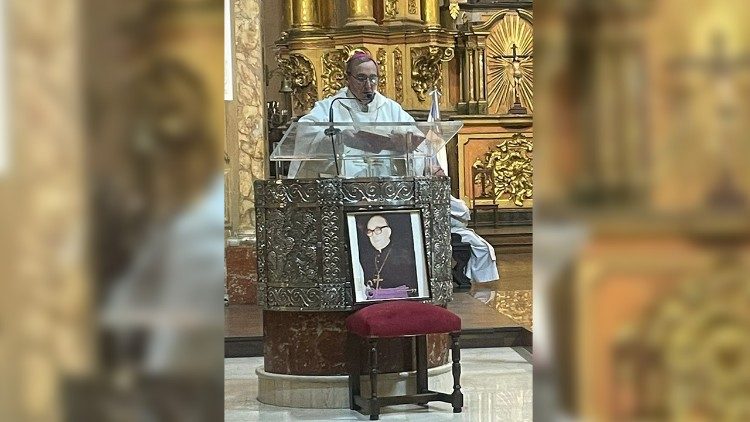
(511, 169)
(426, 65)
(413, 7)
(334, 68)
(382, 58)
(454, 9)
(301, 72)
(398, 78)
(705, 314)
(391, 8)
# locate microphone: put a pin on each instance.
(333, 131)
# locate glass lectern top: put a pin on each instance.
(361, 149)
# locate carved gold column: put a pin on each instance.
(305, 15)
(327, 13)
(288, 15)
(469, 89)
(431, 13)
(479, 76)
(360, 13)
(475, 88)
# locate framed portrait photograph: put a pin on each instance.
(388, 255)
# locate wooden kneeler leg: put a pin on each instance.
(457, 396)
(420, 352)
(374, 403)
(354, 370)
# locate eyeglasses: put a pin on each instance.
(376, 230)
(364, 78)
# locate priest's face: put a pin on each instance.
(379, 232)
(362, 81)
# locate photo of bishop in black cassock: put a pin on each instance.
(386, 251)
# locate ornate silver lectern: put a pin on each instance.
(344, 191)
(304, 259)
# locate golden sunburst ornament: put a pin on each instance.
(510, 74)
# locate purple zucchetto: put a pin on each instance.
(358, 58)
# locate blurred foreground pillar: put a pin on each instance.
(48, 291)
(246, 149)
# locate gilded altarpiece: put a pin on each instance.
(413, 51)
(408, 71)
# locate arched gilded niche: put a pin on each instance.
(506, 29)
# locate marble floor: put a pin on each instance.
(511, 296)
(496, 382)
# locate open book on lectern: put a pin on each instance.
(359, 149)
(365, 139)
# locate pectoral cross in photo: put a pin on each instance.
(376, 281)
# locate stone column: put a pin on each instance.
(431, 13)
(305, 15)
(246, 148)
(360, 13)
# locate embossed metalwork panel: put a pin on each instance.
(371, 191)
(303, 257)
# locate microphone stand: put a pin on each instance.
(332, 131)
